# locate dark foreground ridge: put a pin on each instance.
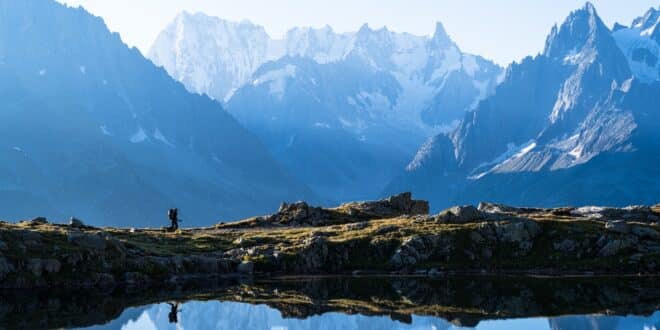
(390, 236)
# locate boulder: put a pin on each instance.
(38, 221)
(314, 254)
(645, 232)
(406, 205)
(618, 226)
(614, 246)
(90, 241)
(76, 223)
(416, 249)
(460, 214)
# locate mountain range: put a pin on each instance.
(90, 128)
(236, 122)
(344, 112)
(577, 124)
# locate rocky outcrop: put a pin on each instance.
(357, 238)
(301, 214)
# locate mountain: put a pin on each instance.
(640, 44)
(344, 112)
(573, 125)
(91, 128)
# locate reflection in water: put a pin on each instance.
(455, 302)
(232, 315)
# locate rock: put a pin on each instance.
(3, 246)
(357, 226)
(518, 231)
(314, 253)
(619, 226)
(614, 246)
(406, 205)
(51, 266)
(386, 229)
(460, 214)
(29, 237)
(38, 221)
(417, 249)
(85, 240)
(500, 208)
(245, 267)
(475, 237)
(566, 245)
(645, 232)
(76, 223)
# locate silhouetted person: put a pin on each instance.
(173, 214)
(174, 311)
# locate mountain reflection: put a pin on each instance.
(454, 302)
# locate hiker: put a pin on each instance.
(173, 315)
(173, 214)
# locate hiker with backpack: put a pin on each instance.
(173, 215)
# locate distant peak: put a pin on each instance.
(589, 8)
(440, 38)
(582, 28)
(650, 18)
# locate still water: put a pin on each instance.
(349, 303)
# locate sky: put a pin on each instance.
(502, 30)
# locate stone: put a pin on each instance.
(357, 226)
(76, 223)
(416, 249)
(613, 247)
(386, 229)
(618, 226)
(85, 240)
(518, 231)
(245, 267)
(314, 253)
(645, 232)
(3, 246)
(38, 221)
(460, 214)
(475, 237)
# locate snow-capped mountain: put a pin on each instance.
(573, 125)
(90, 128)
(216, 57)
(343, 111)
(641, 44)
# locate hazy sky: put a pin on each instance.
(502, 30)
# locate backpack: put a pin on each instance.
(172, 214)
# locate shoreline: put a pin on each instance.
(394, 237)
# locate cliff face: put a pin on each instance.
(395, 235)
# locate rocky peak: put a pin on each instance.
(649, 20)
(440, 37)
(582, 30)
